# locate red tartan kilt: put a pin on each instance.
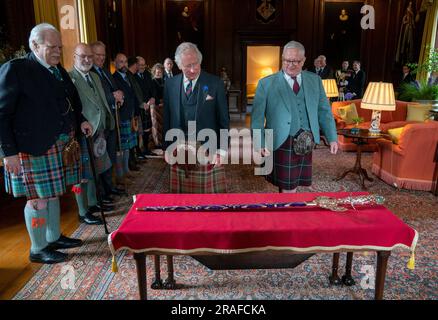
(201, 179)
(290, 170)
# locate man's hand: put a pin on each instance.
(118, 96)
(333, 147)
(86, 128)
(145, 106)
(151, 102)
(12, 164)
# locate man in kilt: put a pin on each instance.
(40, 112)
(96, 110)
(113, 97)
(292, 103)
(129, 110)
(198, 96)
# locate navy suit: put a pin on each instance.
(212, 108)
(356, 83)
(33, 105)
(131, 104)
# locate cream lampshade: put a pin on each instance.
(379, 96)
(330, 88)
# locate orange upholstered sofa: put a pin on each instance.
(411, 163)
(389, 120)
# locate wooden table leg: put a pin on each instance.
(382, 262)
(140, 260)
(334, 278)
(347, 279)
(170, 281)
(157, 283)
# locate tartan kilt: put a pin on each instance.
(202, 179)
(128, 137)
(43, 176)
(102, 163)
(290, 170)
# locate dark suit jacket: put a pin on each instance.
(326, 73)
(146, 85)
(131, 105)
(109, 86)
(356, 83)
(212, 108)
(31, 106)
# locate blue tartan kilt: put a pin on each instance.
(127, 136)
(102, 163)
(45, 176)
(290, 170)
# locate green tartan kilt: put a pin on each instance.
(45, 176)
(201, 179)
(127, 136)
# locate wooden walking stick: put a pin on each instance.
(90, 148)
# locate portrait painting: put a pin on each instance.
(184, 22)
(342, 31)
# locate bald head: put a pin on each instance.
(121, 63)
(83, 57)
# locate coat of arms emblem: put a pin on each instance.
(266, 11)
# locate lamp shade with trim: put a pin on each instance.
(379, 96)
(330, 88)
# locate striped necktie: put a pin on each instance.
(87, 77)
(56, 73)
(189, 89)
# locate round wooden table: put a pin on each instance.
(359, 139)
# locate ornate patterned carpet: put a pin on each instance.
(87, 275)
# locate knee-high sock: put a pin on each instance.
(91, 193)
(36, 224)
(126, 161)
(53, 220)
(82, 199)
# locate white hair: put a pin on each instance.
(294, 45)
(38, 33)
(182, 48)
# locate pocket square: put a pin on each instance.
(209, 98)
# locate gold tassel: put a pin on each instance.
(411, 262)
(114, 267)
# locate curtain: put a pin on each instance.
(429, 34)
(87, 21)
(46, 11)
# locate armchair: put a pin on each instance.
(411, 163)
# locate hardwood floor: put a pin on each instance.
(15, 267)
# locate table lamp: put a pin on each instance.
(330, 88)
(379, 96)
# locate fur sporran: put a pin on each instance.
(303, 143)
(71, 153)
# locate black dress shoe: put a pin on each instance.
(90, 219)
(48, 256)
(107, 200)
(96, 208)
(65, 243)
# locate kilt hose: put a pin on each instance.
(45, 176)
(102, 163)
(127, 136)
(290, 170)
(200, 179)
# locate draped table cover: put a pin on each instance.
(298, 230)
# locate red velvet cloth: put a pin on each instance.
(307, 229)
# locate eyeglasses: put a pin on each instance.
(294, 62)
(83, 56)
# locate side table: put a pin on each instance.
(359, 139)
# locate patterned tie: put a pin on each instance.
(296, 86)
(56, 73)
(189, 89)
(87, 77)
